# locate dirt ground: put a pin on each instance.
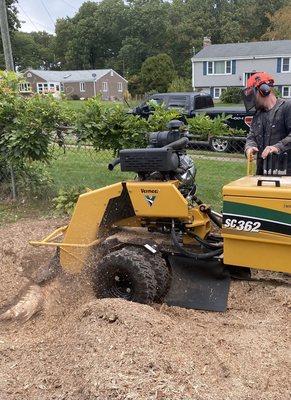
(83, 348)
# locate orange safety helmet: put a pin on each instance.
(259, 82)
(260, 78)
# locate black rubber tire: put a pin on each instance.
(125, 274)
(163, 278)
(162, 274)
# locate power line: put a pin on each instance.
(34, 23)
(48, 13)
(28, 17)
(69, 4)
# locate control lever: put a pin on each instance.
(278, 161)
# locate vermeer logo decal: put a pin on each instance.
(149, 191)
(150, 195)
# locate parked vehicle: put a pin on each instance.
(193, 103)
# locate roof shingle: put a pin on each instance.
(251, 49)
(71, 76)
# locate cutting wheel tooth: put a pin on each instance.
(29, 303)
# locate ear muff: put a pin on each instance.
(264, 90)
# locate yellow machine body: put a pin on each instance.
(257, 223)
(134, 204)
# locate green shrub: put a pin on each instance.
(66, 200)
(113, 129)
(34, 181)
(180, 85)
(231, 95)
(204, 126)
(159, 120)
(27, 130)
(277, 92)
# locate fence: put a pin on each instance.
(74, 168)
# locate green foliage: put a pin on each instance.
(27, 129)
(33, 50)
(122, 35)
(27, 125)
(110, 128)
(33, 180)
(157, 73)
(277, 92)
(180, 85)
(161, 117)
(113, 129)
(204, 127)
(231, 95)
(66, 200)
(135, 85)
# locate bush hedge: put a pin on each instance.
(231, 95)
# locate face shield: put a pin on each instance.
(249, 98)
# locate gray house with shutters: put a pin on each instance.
(220, 66)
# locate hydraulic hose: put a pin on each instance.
(214, 216)
(204, 243)
(113, 163)
(196, 256)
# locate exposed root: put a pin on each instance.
(25, 305)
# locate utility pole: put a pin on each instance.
(10, 67)
(6, 37)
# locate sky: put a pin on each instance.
(39, 15)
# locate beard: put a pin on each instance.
(260, 104)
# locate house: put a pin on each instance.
(76, 84)
(220, 66)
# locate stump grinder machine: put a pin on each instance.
(151, 239)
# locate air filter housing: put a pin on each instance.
(148, 160)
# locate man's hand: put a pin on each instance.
(250, 152)
(269, 150)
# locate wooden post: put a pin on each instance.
(6, 37)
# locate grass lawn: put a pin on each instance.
(84, 168)
(212, 175)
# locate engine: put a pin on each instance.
(164, 159)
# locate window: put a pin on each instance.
(42, 87)
(62, 87)
(159, 100)
(119, 86)
(24, 87)
(104, 86)
(218, 92)
(46, 87)
(202, 102)
(177, 102)
(286, 91)
(228, 67)
(219, 67)
(82, 86)
(285, 64)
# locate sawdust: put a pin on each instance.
(82, 348)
